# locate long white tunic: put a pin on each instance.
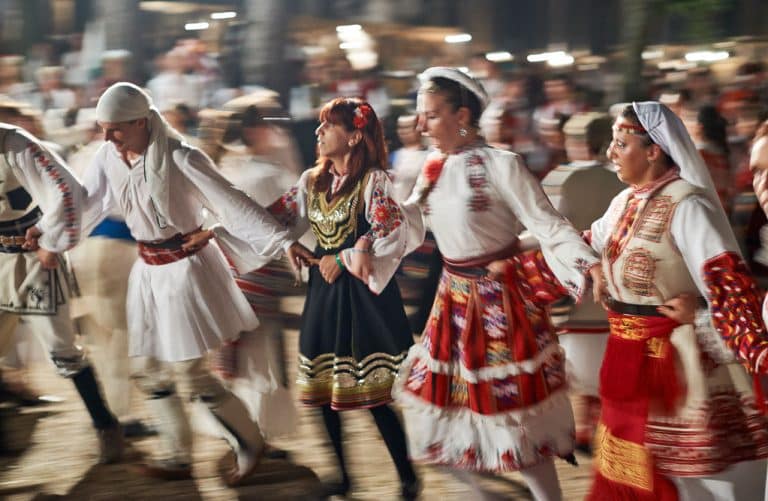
(181, 310)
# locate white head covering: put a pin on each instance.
(667, 130)
(123, 102)
(459, 77)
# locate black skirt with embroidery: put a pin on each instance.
(352, 341)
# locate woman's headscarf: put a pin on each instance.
(667, 130)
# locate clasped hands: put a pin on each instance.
(48, 259)
(331, 266)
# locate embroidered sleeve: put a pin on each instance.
(383, 213)
(388, 234)
(736, 309)
(51, 184)
(285, 209)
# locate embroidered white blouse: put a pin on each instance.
(388, 231)
(481, 202)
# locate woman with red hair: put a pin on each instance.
(354, 332)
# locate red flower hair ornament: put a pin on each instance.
(363, 113)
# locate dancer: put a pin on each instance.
(182, 301)
(40, 195)
(354, 332)
(676, 407)
(485, 389)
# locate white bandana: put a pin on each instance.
(123, 102)
(459, 77)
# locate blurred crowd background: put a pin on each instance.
(211, 65)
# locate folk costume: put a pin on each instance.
(353, 335)
(675, 403)
(102, 263)
(37, 190)
(485, 388)
(181, 304)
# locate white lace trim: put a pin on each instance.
(530, 435)
(530, 366)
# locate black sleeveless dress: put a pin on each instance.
(352, 341)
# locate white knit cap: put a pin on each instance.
(459, 77)
(123, 102)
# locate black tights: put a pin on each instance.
(391, 431)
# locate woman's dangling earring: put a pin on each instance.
(463, 132)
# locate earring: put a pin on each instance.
(463, 132)
(351, 144)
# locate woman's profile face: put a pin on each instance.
(629, 154)
(332, 139)
(439, 121)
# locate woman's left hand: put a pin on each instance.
(681, 309)
(329, 268)
(197, 240)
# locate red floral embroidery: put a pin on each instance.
(285, 208)
(363, 113)
(383, 212)
(736, 308)
(477, 180)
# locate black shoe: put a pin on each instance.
(329, 489)
(410, 491)
(136, 428)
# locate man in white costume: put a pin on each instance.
(182, 301)
(38, 194)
